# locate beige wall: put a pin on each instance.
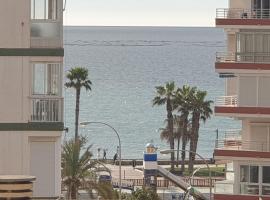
(15, 24)
(17, 157)
(14, 89)
(246, 4)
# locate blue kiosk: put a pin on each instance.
(150, 166)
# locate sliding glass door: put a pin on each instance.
(261, 8)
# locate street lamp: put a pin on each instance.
(119, 143)
(210, 174)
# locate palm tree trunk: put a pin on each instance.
(184, 142)
(178, 147)
(194, 140)
(77, 110)
(170, 122)
(170, 126)
(73, 192)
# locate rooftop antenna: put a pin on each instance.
(65, 4)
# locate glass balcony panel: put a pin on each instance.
(45, 29)
(266, 190)
(224, 187)
(249, 189)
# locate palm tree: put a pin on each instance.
(77, 79)
(165, 95)
(201, 110)
(76, 165)
(183, 106)
(106, 191)
(79, 169)
(177, 133)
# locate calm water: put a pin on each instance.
(125, 65)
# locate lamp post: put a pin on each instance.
(210, 174)
(119, 143)
(189, 181)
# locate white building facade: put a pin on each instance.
(31, 102)
(246, 69)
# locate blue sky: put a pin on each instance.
(142, 12)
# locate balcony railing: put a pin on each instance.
(232, 135)
(230, 101)
(252, 57)
(242, 145)
(239, 13)
(46, 109)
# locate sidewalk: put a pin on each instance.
(127, 172)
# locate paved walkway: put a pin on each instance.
(127, 172)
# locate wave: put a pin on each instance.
(142, 43)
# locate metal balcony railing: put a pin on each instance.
(242, 145)
(46, 109)
(252, 57)
(232, 135)
(239, 13)
(230, 101)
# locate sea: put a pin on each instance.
(125, 65)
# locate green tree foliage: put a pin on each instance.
(201, 111)
(78, 168)
(142, 194)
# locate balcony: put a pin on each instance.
(229, 106)
(241, 148)
(242, 145)
(46, 109)
(239, 16)
(224, 101)
(229, 61)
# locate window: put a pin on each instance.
(253, 46)
(249, 179)
(261, 7)
(255, 180)
(46, 79)
(44, 9)
(266, 180)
